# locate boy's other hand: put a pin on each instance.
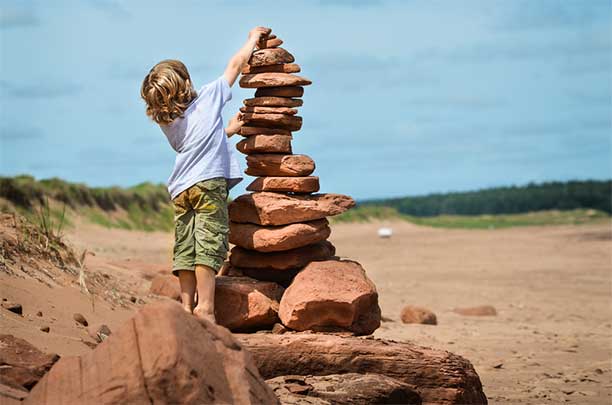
(256, 33)
(234, 125)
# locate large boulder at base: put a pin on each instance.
(269, 120)
(265, 144)
(278, 238)
(332, 293)
(273, 102)
(166, 285)
(162, 355)
(440, 377)
(265, 208)
(306, 184)
(22, 364)
(289, 259)
(292, 91)
(268, 164)
(272, 79)
(271, 110)
(349, 388)
(414, 314)
(284, 68)
(250, 131)
(270, 56)
(243, 303)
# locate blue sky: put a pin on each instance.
(408, 97)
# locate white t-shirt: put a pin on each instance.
(200, 141)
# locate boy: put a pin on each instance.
(204, 171)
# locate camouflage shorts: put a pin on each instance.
(201, 226)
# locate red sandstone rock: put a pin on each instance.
(273, 102)
(265, 144)
(284, 68)
(266, 208)
(414, 314)
(278, 238)
(270, 43)
(483, 310)
(309, 184)
(162, 355)
(349, 388)
(11, 396)
(270, 56)
(440, 377)
(22, 364)
(283, 121)
(331, 293)
(242, 303)
(272, 79)
(250, 131)
(266, 164)
(289, 259)
(294, 91)
(266, 110)
(166, 285)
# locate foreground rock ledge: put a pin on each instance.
(163, 355)
(350, 388)
(438, 376)
(22, 364)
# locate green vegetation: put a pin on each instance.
(147, 206)
(143, 207)
(49, 226)
(365, 213)
(572, 217)
(562, 196)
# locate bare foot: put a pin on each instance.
(203, 313)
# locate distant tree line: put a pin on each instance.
(507, 200)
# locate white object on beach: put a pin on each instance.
(385, 232)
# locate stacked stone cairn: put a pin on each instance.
(280, 230)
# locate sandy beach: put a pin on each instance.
(549, 343)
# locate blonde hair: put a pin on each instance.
(167, 90)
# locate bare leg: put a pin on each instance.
(187, 279)
(205, 277)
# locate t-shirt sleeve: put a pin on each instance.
(215, 93)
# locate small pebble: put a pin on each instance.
(101, 333)
(39, 313)
(80, 319)
(45, 329)
(13, 307)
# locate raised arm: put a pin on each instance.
(240, 59)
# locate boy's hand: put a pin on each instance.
(256, 33)
(240, 59)
(234, 125)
